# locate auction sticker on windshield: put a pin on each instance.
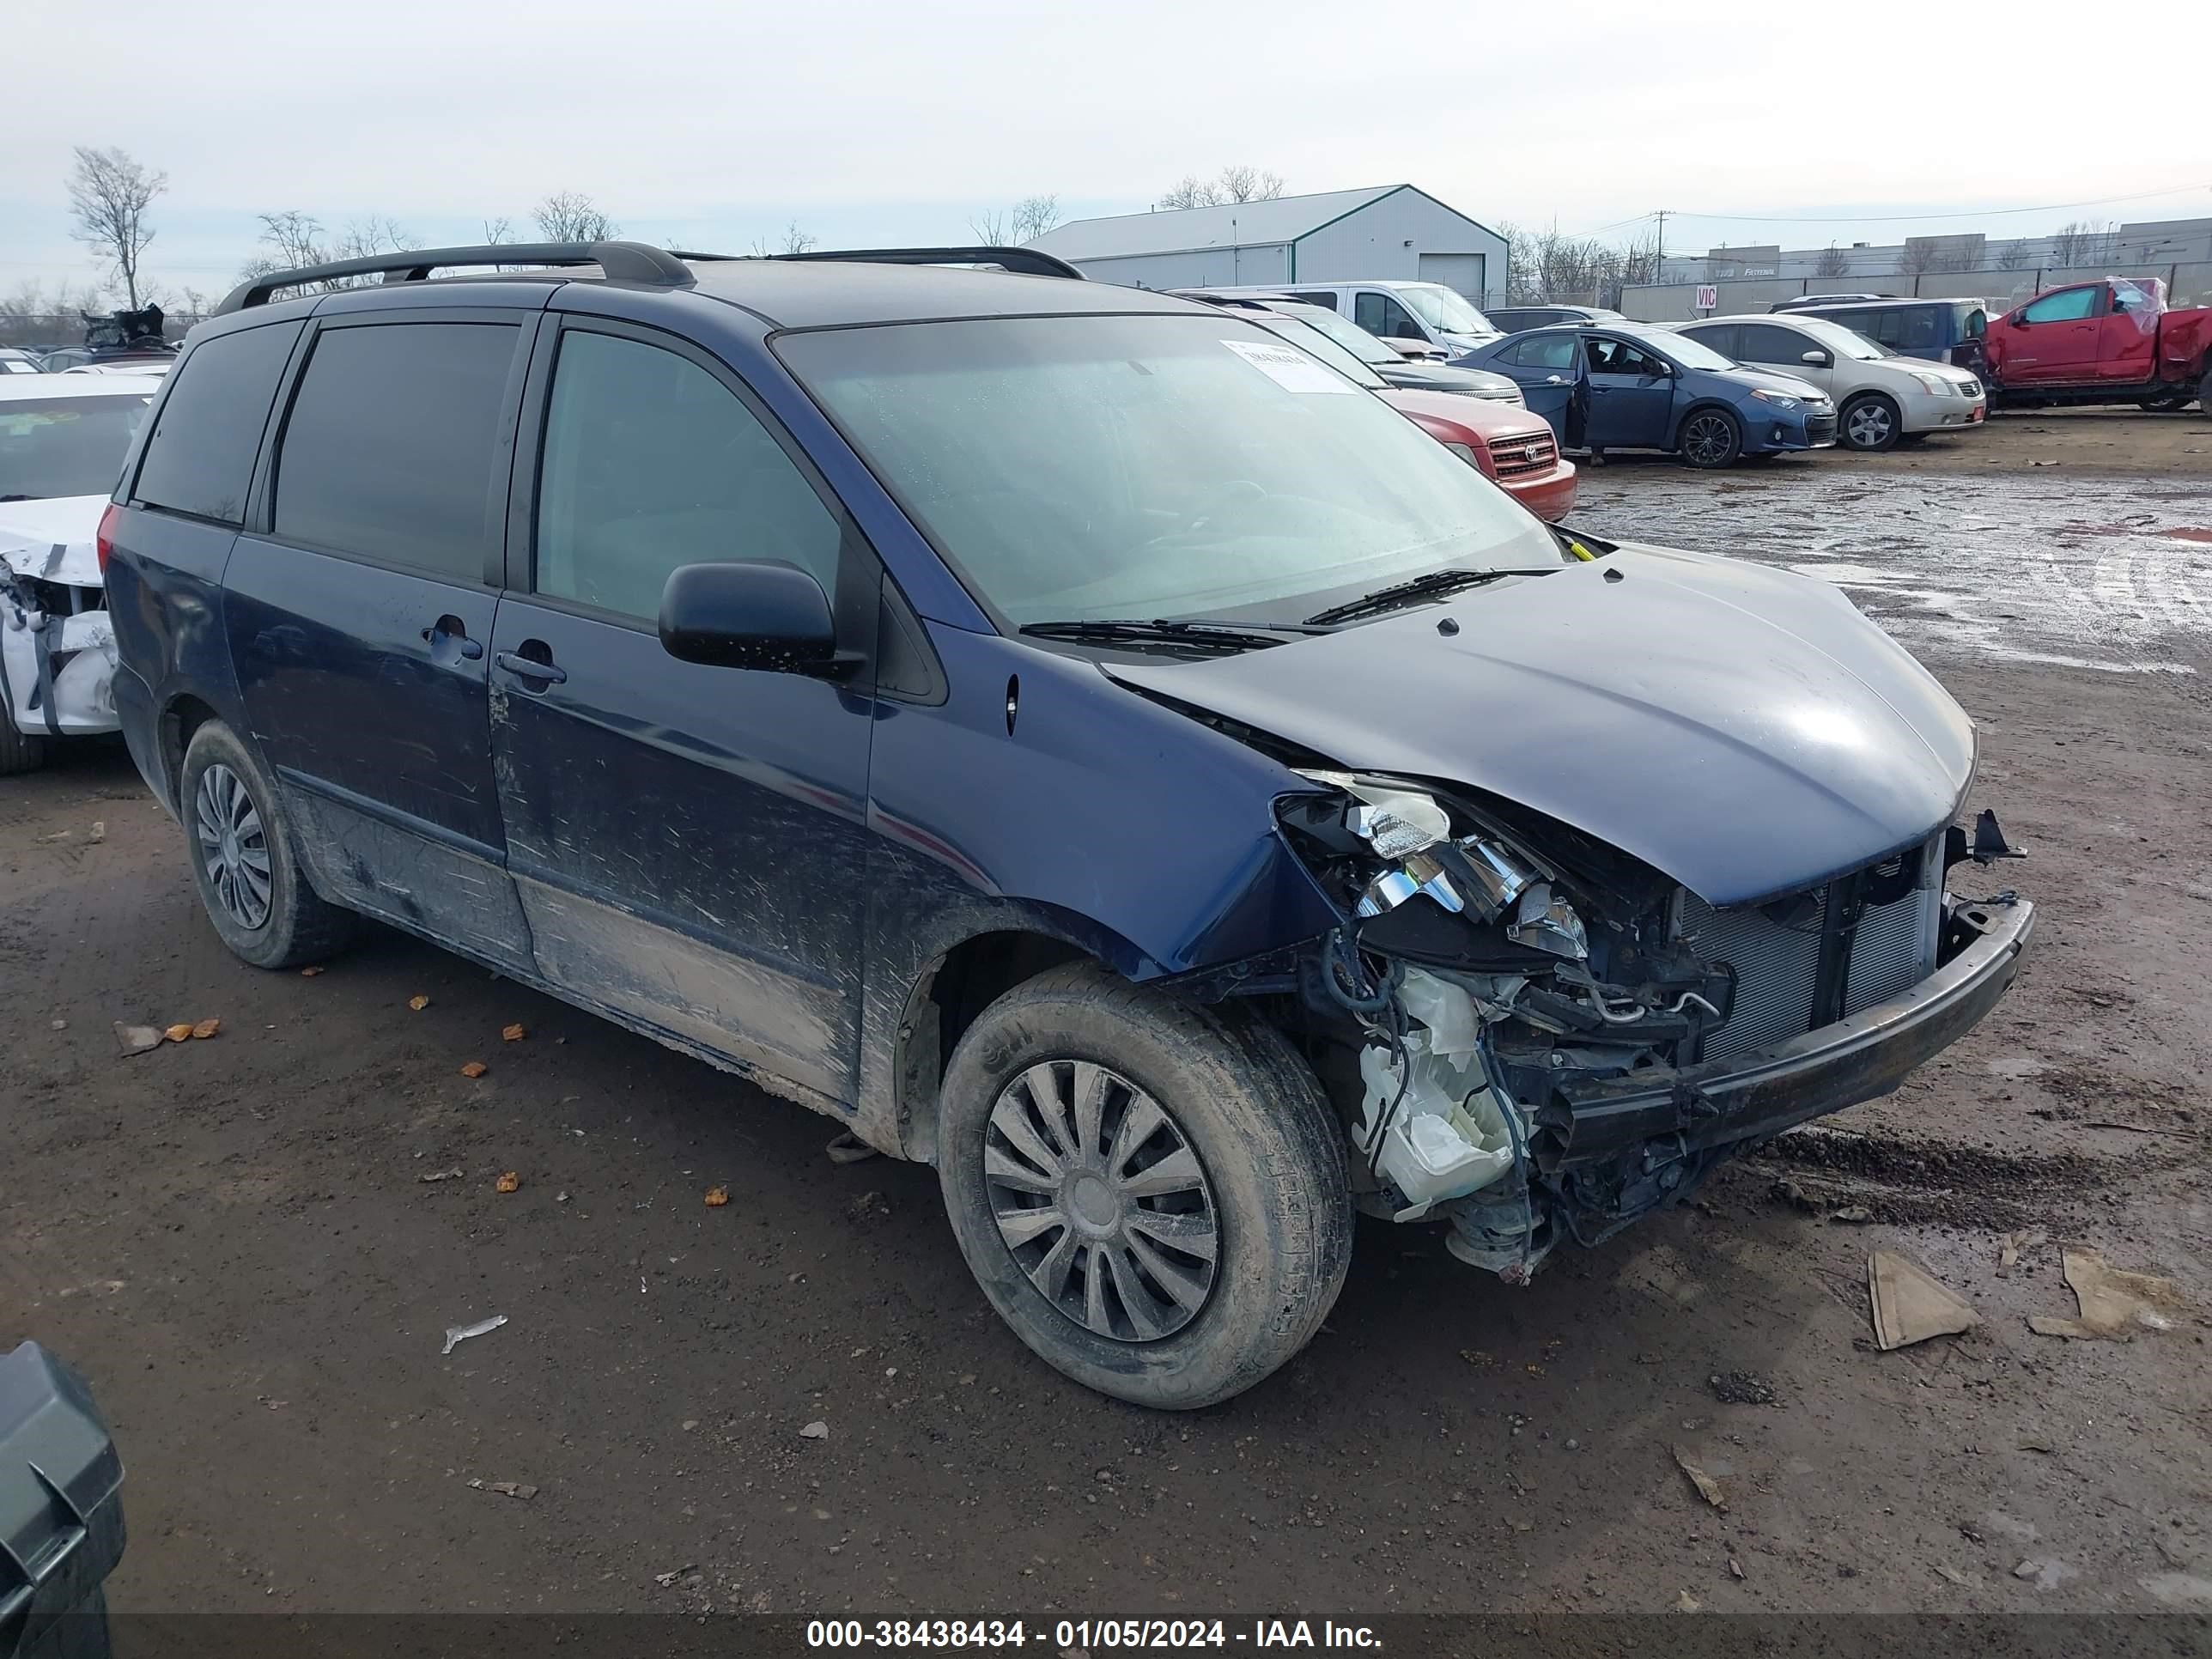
(1290, 368)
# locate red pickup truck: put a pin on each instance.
(2110, 342)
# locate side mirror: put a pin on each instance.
(2017, 319)
(749, 614)
(1817, 358)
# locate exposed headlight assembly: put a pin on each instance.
(1411, 833)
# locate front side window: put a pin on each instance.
(1378, 313)
(199, 459)
(1093, 467)
(1764, 342)
(651, 463)
(66, 445)
(389, 448)
(2066, 306)
(1443, 308)
(1620, 358)
(1842, 341)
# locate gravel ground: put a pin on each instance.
(247, 1246)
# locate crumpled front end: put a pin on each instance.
(57, 641)
(1535, 1036)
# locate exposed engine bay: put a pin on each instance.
(1533, 1045)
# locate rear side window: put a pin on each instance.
(1727, 338)
(1546, 351)
(1318, 297)
(650, 463)
(1763, 342)
(200, 457)
(388, 450)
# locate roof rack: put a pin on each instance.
(1024, 261)
(623, 262)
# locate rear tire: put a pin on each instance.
(2173, 404)
(242, 850)
(1242, 1180)
(1710, 438)
(1870, 423)
(19, 750)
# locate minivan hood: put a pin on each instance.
(1740, 729)
(53, 539)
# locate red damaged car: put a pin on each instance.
(1514, 449)
(2109, 342)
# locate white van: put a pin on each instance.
(1415, 314)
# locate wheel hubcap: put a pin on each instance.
(1869, 424)
(1708, 439)
(1101, 1200)
(233, 847)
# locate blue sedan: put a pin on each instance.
(1628, 386)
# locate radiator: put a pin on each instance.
(1775, 950)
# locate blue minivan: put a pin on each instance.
(1062, 733)
(1632, 385)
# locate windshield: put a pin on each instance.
(1310, 341)
(1348, 334)
(1086, 468)
(1686, 351)
(1844, 342)
(1442, 308)
(63, 445)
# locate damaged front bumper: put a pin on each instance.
(56, 651)
(1750, 1097)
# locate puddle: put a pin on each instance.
(2093, 575)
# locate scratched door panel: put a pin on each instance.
(688, 840)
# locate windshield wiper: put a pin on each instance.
(1435, 584)
(1205, 636)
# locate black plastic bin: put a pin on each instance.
(61, 1511)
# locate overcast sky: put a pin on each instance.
(711, 122)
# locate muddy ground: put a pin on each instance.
(242, 1243)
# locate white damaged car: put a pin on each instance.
(62, 444)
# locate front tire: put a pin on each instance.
(2173, 404)
(1871, 424)
(243, 863)
(1712, 439)
(1153, 1196)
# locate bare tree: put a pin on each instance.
(1245, 184)
(498, 232)
(2082, 242)
(1833, 262)
(2013, 255)
(292, 238)
(1033, 215)
(570, 215)
(795, 240)
(1025, 221)
(1232, 183)
(374, 234)
(1921, 255)
(109, 193)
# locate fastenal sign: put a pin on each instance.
(1708, 298)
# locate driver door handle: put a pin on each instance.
(529, 668)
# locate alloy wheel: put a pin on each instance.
(233, 846)
(1869, 425)
(1707, 439)
(1102, 1201)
